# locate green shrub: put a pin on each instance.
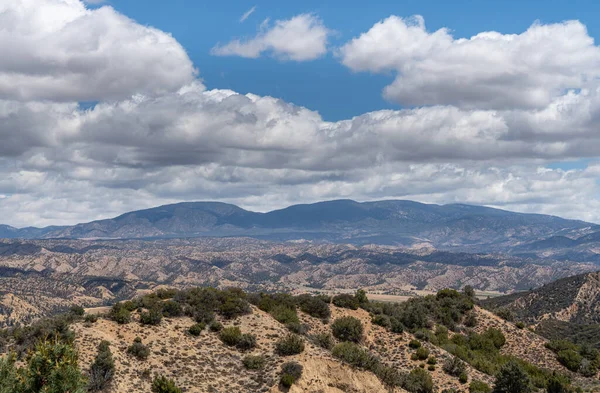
(347, 329)
(53, 367)
(171, 309)
(422, 353)
(151, 317)
(512, 378)
(291, 344)
(215, 326)
(254, 362)
(382, 320)
(103, 368)
(120, 314)
(355, 355)
(470, 320)
(246, 342)
(296, 327)
(432, 360)
(314, 306)
(290, 373)
(520, 325)
(495, 336)
(389, 376)
(505, 314)
(396, 326)
(324, 340)
(90, 318)
(558, 384)
(414, 344)
(196, 329)
(431, 367)
(77, 310)
(454, 366)
(570, 359)
(284, 314)
(418, 381)
(463, 377)
(138, 349)
(345, 300)
(477, 386)
(162, 384)
(231, 335)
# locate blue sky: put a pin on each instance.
(324, 84)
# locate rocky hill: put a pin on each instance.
(572, 299)
(179, 338)
(393, 222)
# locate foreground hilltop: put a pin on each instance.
(205, 340)
(395, 222)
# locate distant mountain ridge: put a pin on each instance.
(392, 222)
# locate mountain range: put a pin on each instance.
(391, 222)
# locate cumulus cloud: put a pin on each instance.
(489, 70)
(154, 139)
(301, 38)
(60, 50)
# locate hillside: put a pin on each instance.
(572, 299)
(384, 359)
(42, 277)
(393, 222)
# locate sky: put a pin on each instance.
(113, 106)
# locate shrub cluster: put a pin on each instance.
(138, 349)
(162, 384)
(290, 373)
(291, 344)
(347, 329)
(233, 337)
(578, 358)
(254, 362)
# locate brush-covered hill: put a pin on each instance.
(206, 340)
(392, 222)
(567, 308)
(572, 299)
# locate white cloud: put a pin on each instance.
(60, 50)
(247, 14)
(301, 38)
(488, 70)
(157, 138)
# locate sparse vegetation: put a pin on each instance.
(196, 329)
(324, 340)
(138, 349)
(290, 373)
(162, 384)
(254, 362)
